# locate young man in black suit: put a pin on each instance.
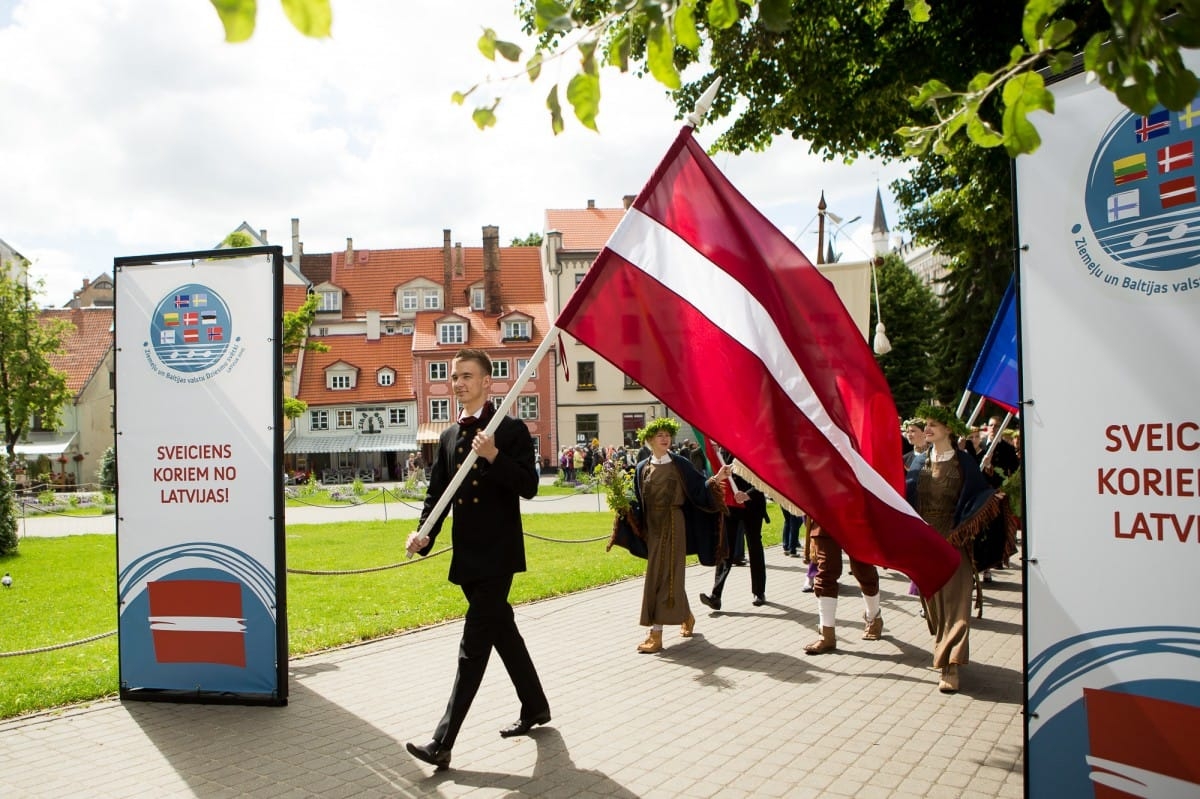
(489, 548)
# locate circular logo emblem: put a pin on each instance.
(1141, 191)
(191, 330)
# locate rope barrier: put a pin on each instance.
(325, 573)
(53, 647)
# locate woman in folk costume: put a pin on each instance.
(679, 513)
(945, 486)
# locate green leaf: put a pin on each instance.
(660, 56)
(1023, 94)
(619, 48)
(510, 51)
(310, 17)
(983, 134)
(1175, 84)
(487, 44)
(587, 57)
(722, 13)
(686, 34)
(1058, 34)
(533, 67)
(776, 15)
(980, 81)
(552, 16)
(237, 16)
(931, 90)
(484, 117)
(1035, 19)
(556, 118)
(583, 93)
(918, 10)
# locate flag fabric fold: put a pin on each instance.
(995, 373)
(701, 300)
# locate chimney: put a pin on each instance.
(491, 270)
(262, 234)
(372, 325)
(460, 267)
(349, 253)
(591, 205)
(86, 282)
(296, 243)
(627, 200)
(447, 268)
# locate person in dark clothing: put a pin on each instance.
(748, 510)
(489, 548)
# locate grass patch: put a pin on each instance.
(65, 590)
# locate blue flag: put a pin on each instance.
(995, 373)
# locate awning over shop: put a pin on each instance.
(45, 444)
(382, 442)
(430, 432)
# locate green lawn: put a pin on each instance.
(65, 590)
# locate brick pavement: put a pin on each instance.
(736, 711)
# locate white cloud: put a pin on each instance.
(132, 128)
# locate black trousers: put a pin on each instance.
(752, 527)
(490, 625)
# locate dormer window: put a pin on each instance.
(477, 298)
(452, 333)
(386, 377)
(341, 376)
(516, 329)
(339, 382)
(433, 299)
(408, 300)
(331, 302)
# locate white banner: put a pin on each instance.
(1110, 320)
(198, 475)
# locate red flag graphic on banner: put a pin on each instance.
(1138, 746)
(197, 621)
(699, 298)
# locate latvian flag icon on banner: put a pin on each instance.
(197, 621)
(1140, 746)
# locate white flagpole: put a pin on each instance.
(975, 413)
(962, 403)
(472, 456)
(987, 458)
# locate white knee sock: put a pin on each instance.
(872, 603)
(827, 610)
(656, 628)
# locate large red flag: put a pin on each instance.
(699, 298)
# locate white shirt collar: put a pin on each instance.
(660, 461)
(478, 412)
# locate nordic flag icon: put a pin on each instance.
(197, 621)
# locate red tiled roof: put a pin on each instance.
(368, 357)
(316, 267)
(584, 229)
(85, 347)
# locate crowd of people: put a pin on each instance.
(684, 505)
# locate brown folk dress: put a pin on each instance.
(664, 600)
(949, 610)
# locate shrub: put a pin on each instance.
(8, 511)
(358, 487)
(106, 472)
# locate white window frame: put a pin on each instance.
(397, 417)
(522, 363)
(386, 377)
(516, 328)
(445, 329)
(439, 410)
(331, 301)
(345, 419)
(500, 369)
(527, 406)
(318, 420)
(439, 371)
(432, 300)
(477, 299)
(340, 382)
(409, 300)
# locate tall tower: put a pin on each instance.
(879, 231)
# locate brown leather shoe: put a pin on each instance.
(652, 644)
(689, 624)
(826, 643)
(873, 629)
(432, 753)
(949, 682)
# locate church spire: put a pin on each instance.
(879, 231)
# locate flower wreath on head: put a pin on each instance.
(916, 421)
(943, 415)
(658, 425)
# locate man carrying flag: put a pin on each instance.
(695, 278)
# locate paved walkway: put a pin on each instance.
(736, 711)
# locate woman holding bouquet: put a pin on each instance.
(679, 513)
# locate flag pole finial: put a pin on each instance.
(703, 103)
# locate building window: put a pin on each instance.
(631, 423)
(318, 420)
(579, 278)
(587, 375)
(522, 363)
(437, 371)
(587, 427)
(439, 410)
(330, 301)
(345, 419)
(386, 378)
(497, 401)
(408, 300)
(631, 383)
(516, 329)
(433, 299)
(339, 382)
(322, 331)
(500, 370)
(527, 406)
(451, 333)
(477, 299)
(398, 417)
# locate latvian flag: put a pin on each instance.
(1175, 156)
(191, 319)
(208, 318)
(191, 336)
(215, 334)
(1180, 191)
(1153, 126)
(171, 319)
(1129, 169)
(197, 621)
(1139, 746)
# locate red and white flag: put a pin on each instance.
(700, 299)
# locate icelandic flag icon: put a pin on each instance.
(183, 300)
(1153, 126)
(1123, 205)
(197, 621)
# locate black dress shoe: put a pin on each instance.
(522, 726)
(713, 602)
(432, 753)
(759, 600)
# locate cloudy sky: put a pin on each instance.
(130, 127)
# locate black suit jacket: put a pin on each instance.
(488, 538)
